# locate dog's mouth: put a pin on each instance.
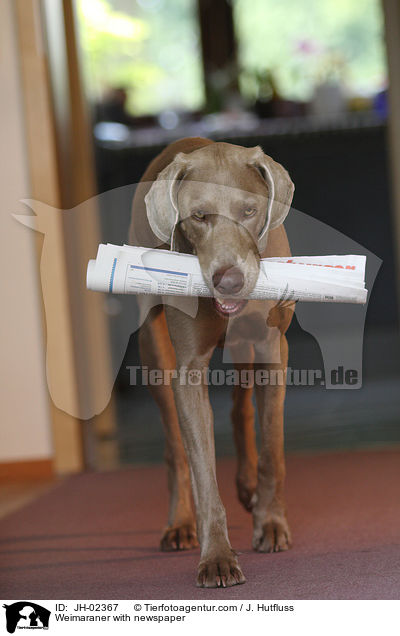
(228, 307)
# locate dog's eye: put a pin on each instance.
(199, 215)
(248, 212)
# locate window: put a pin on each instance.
(150, 47)
(299, 44)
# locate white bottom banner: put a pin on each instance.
(154, 617)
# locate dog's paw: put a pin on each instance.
(273, 536)
(181, 537)
(246, 485)
(220, 572)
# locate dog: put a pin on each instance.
(225, 204)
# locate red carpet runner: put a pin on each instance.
(95, 536)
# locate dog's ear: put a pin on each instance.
(280, 189)
(161, 205)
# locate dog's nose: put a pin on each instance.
(228, 280)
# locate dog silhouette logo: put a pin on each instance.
(325, 322)
(26, 615)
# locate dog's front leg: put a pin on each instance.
(271, 530)
(218, 564)
(194, 341)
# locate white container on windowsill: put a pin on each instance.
(329, 100)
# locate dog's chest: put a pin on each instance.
(251, 328)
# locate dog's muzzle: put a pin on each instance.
(228, 281)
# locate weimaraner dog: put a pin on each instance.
(225, 204)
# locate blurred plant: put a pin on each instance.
(222, 87)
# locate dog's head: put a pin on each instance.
(221, 201)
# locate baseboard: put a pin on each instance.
(32, 470)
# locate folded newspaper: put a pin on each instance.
(140, 270)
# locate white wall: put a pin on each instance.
(25, 429)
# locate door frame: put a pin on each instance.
(58, 140)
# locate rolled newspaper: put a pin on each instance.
(140, 270)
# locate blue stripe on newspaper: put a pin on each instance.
(112, 275)
(164, 271)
